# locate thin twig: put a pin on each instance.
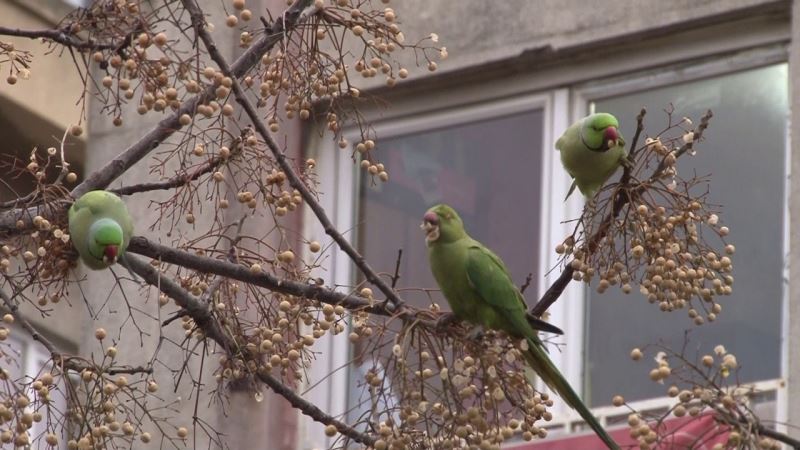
(27, 326)
(198, 311)
(527, 283)
(396, 276)
(130, 370)
(177, 180)
(311, 410)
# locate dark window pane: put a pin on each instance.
(744, 151)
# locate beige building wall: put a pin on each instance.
(36, 112)
(53, 78)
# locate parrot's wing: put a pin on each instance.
(488, 276)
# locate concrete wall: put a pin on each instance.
(43, 94)
(36, 112)
(478, 32)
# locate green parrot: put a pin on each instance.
(100, 228)
(591, 151)
(479, 289)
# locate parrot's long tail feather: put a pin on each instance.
(571, 189)
(541, 364)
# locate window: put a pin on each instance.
(481, 170)
(496, 164)
(744, 151)
(485, 161)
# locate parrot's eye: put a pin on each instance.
(431, 218)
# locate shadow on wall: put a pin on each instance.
(20, 131)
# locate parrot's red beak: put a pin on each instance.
(110, 254)
(430, 225)
(610, 134)
(431, 218)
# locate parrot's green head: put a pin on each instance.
(600, 132)
(106, 240)
(442, 224)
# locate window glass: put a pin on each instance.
(744, 151)
(487, 170)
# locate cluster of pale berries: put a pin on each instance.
(110, 396)
(326, 77)
(360, 326)
(17, 415)
(697, 399)
(164, 82)
(37, 168)
(482, 382)
(375, 169)
(365, 149)
(20, 61)
(672, 274)
(280, 346)
(47, 240)
(156, 74)
(276, 194)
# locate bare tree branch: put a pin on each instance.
(198, 311)
(291, 174)
(201, 314)
(313, 411)
(778, 436)
(59, 36)
(178, 180)
(225, 268)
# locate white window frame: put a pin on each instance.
(562, 106)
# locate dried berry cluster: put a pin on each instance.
(18, 60)
(658, 239)
(425, 390)
(106, 407)
(700, 387)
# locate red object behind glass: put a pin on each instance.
(697, 433)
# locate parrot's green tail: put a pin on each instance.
(541, 364)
